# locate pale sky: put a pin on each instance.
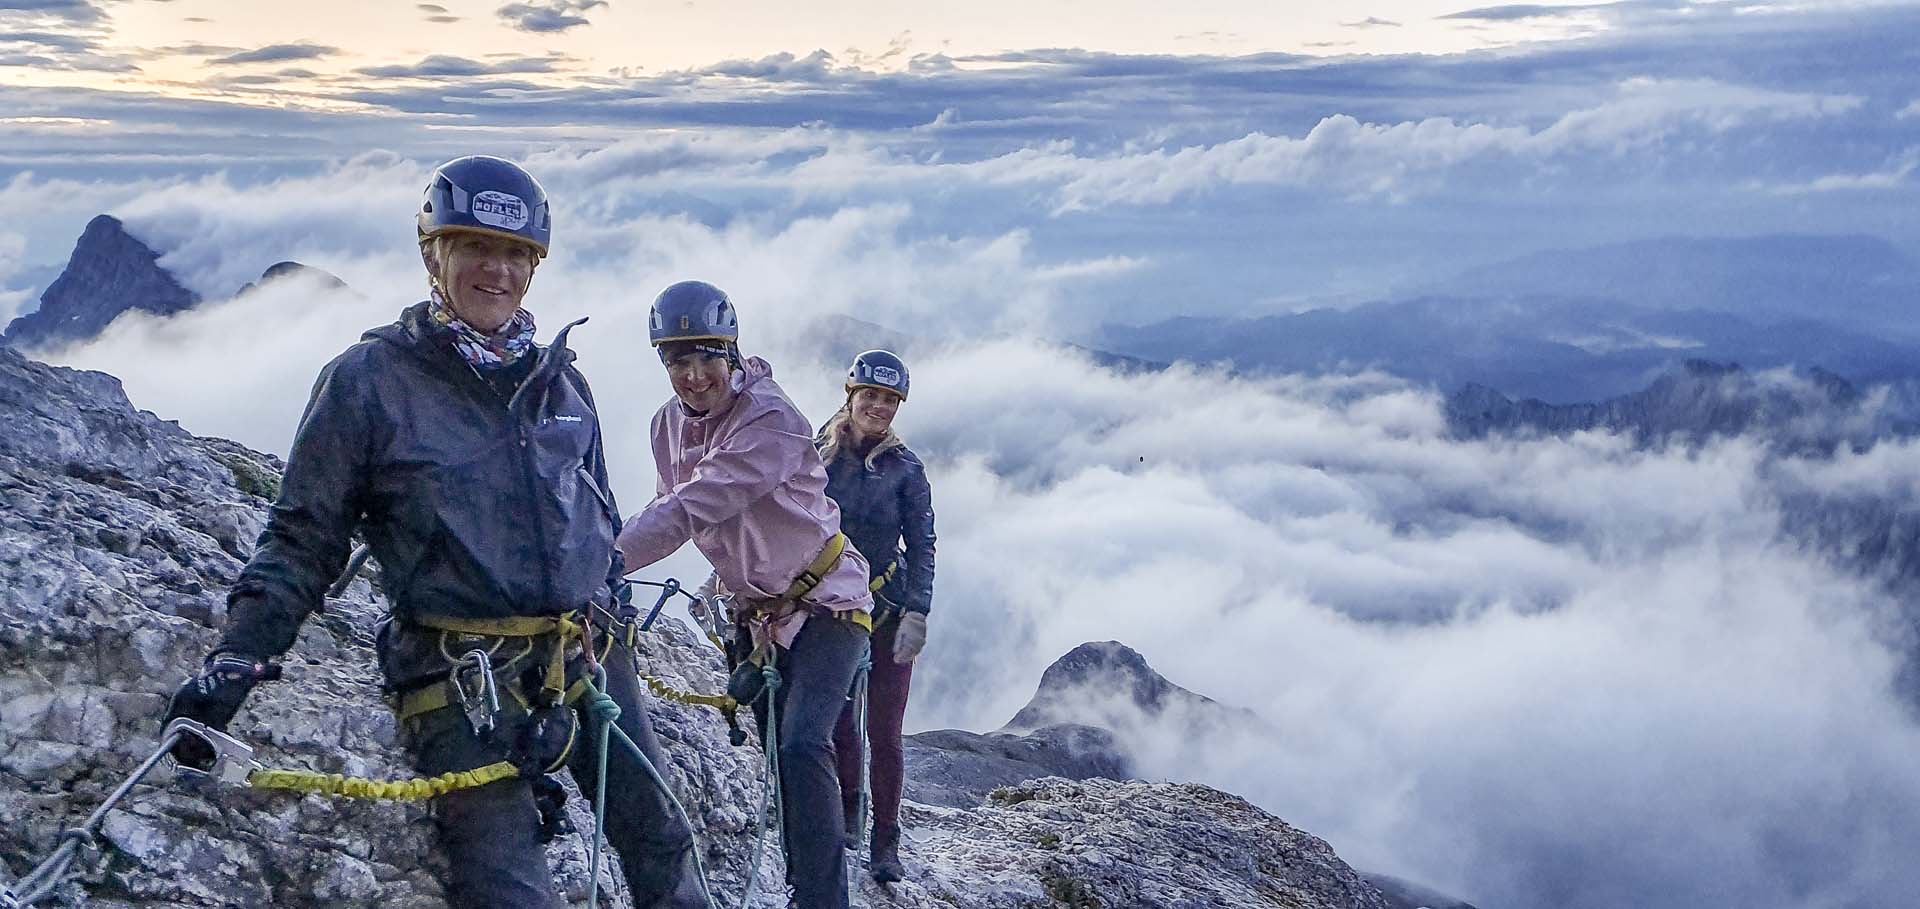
(177, 40)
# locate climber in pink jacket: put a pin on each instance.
(738, 475)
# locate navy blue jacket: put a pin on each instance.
(476, 503)
(886, 511)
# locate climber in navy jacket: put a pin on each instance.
(886, 510)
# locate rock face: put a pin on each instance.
(1094, 709)
(957, 769)
(1101, 844)
(119, 534)
(109, 273)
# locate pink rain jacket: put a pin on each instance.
(745, 484)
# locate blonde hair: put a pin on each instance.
(837, 436)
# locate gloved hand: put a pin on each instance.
(212, 698)
(909, 636)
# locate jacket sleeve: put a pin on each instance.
(916, 532)
(597, 468)
(753, 461)
(309, 530)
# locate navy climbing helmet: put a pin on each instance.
(487, 195)
(692, 311)
(878, 369)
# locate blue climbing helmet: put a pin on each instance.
(878, 369)
(692, 311)
(487, 195)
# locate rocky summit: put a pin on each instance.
(119, 533)
(109, 273)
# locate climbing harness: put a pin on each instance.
(471, 684)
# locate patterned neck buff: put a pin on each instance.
(482, 350)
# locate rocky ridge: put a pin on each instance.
(109, 273)
(1813, 411)
(119, 533)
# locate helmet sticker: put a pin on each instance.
(886, 375)
(497, 209)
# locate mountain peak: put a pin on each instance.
(290, 270)
(1110, 685)
(110, 272)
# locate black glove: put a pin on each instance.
(212, 698)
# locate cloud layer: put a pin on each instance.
(1558, 672)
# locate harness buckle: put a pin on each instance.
(233, 759)
(482, 702)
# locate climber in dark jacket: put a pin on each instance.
(470, 458)
(886, 509)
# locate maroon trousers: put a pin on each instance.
(886, 707)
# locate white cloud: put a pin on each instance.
(1344, 155)
(1559, 671)
(1894, 174)
(1911, 110)
(1340, 156)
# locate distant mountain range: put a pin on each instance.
(1812, 411)
(1856, 280)
(1591, 324)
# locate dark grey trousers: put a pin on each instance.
(815, 675)
(492, 834)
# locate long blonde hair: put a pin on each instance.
(837, 435)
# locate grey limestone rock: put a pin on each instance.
(119, 534)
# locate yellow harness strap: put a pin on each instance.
(810, 577)
(439, 695)
(877, 583)
(418, 790)
(661, 689)
(553, 686)
(565, 628)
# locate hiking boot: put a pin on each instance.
(885, 865)
(850, 830)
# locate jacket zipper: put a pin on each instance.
(526, 471)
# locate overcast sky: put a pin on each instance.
(1555, 673)
(1306, 155)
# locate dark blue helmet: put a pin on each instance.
(878, 369)
(486, 195)
(692, 311)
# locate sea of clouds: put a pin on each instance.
(1562, 672)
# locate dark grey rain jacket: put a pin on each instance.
(887, 512)
(478, 501)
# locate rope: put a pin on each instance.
(718, 702)
(862, 676)
(772, 809)
(603, 711)
(416, 790)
